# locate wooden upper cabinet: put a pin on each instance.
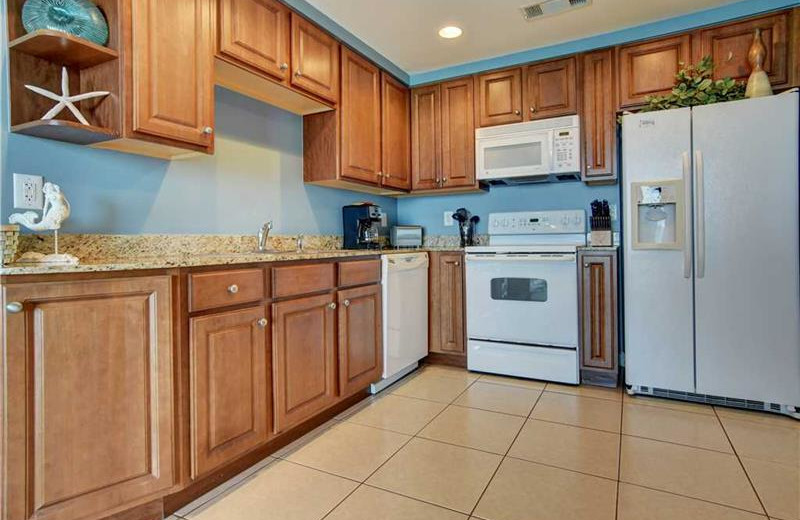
(88, 398)
(458, 133)
(360, 112)
(172, 70)
(396, 134)
(360, 338)
(729, 44)
(426, 132)
(229, 387)
(499, 97)
(304, 358)
(649, 68)
(447, 332)
(551, 89)
(315, 60)
(256, 33)
(598, 117)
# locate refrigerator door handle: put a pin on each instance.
(700, 213)
(687, 215)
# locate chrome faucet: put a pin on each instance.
(300, 240)
(263, 235)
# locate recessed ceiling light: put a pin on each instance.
(451, 31)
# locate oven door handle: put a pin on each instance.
(566, 257)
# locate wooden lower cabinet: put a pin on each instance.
(597, 289)
(230, 386)
(360, 338)
(88, 397)
(303, 358)
(446, 293)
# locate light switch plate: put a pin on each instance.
(448, 219)
(28, 191)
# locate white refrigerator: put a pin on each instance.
(711, 273)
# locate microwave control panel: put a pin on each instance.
(566, 150)
(538, 222)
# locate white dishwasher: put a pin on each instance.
(405, 315)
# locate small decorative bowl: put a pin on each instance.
(81, 18)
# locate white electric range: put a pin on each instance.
(522, 296)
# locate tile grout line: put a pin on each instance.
(741, 464)
(504, 457)
(619, 454)
(698, 499)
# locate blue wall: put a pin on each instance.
(429, 211)
(255, 175)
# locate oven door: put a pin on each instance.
(529, 299)
(521, 155)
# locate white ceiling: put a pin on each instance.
(405, 31)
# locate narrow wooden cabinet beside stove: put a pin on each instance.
(447, 298)
(597, 300)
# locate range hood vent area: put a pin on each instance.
(550, 7)
(535, 179)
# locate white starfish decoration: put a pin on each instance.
(65, 100)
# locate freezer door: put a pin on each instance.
(747, 288)
(659, 347)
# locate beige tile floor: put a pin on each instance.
(445, 444)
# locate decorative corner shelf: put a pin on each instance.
(63, 48)
(67, 131)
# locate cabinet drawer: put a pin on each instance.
(224, 288)
(360, 272)
(302, 279)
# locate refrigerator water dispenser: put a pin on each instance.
(659, 218)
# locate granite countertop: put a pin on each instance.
(202, 259)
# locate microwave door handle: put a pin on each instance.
(687, 215)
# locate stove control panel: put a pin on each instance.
(538, 222)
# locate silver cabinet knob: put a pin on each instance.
(284, 66)
(332, 305)
(444, 180)
(14, 307)
(458, 264)
(233, 289)
(586, 265)
(263, 322)
(208, 130)
(516, 112)
(533, 110)
(298, 74)
(346, 303)
(379, 174)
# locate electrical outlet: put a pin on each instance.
(448, 219)
(384, 220)
(613, 212)
(28, 191)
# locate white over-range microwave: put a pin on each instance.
(547, 150)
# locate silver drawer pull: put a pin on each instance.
(332, 305)
(263, 322)
(347, 303)
(233, 289)
(14, 307)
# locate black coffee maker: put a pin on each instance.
(361, 224)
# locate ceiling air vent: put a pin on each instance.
(550, 7)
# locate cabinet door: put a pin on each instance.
(447, 304)
(315, 60)
(458, 133)
(172, 58)
(551, 89)
(426, 134)
(88, 397)
(230, 410)
(598, 311)
(728, 46)
(499, 97)
(599, 117)
(649, 68)
(256, 33)
(396, 128)
(304, 358)
(360, 338)
(360, 118)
